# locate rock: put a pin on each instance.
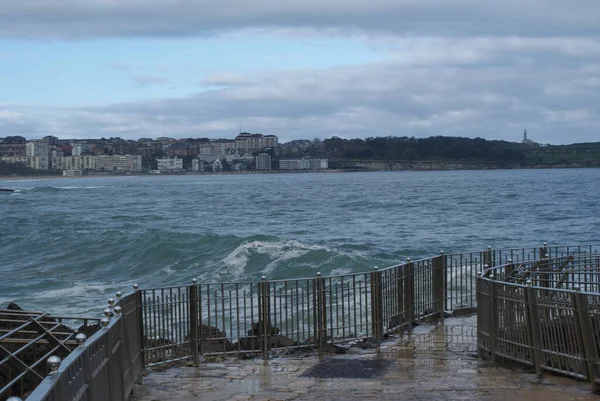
(463, 311)
(280, 341)
(335, 349)
(366, 343)
(212, 339)
(257, 329)
(13, 306)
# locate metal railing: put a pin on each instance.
(104, 367)
(27, 339)
(163, 325)
(185, 322)
(544, 314)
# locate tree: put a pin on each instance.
(410, 154)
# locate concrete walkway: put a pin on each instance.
(435, 362)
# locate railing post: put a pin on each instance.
(409, 283)
(493, 311)
(439, 283)
(509, 269)
(376, 305)
(543, 251)
(533, 327)
(193, 310)
(139, 300)
(510, 313)
(265, 300)
(588, 346)
(490, 257)
(480, 312)
(320, 312)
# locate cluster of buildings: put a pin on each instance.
(162, 155)
(40, 155)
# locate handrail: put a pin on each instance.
(539, 323)
(165, 324)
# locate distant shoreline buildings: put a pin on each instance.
(163, 155)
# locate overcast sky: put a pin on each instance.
(301, 69)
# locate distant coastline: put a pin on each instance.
(360, 166)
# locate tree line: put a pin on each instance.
(432, 148)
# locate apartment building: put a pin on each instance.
(263, 162)
(34, 162)
(174, 164)
(304, 164)
(41, 150)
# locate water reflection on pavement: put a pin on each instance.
(434, 362)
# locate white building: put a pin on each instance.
(269, 141)
(34, 162)
(304, 164)
(205, 149)
(263, 162)
(129, 163)
(197, 165)
(41, 150)
(72, 173)
(78, 149)
(75, 162)
(120, 163)
(173, 164)
(220, 147)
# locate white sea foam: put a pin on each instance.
(73, 291)
(278, 252)
(169, 268)
(340, 271)
(82, 187)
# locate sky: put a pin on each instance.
(301, 69)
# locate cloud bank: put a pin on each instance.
(468, 68)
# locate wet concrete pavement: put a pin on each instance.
(435, 362)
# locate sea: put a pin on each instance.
(67, 245)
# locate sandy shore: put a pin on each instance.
(57, 177)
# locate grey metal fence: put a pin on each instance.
(256, 317)
(163, 325)
(544, 314)
(27, 339)
(103, 367)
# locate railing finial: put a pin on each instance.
(104, 322)
(80, 338)
(53, 363)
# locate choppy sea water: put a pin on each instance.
(66, 245)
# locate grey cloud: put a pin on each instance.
(147, 80)
(493, 87)
(168, 18)
(15, 121)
